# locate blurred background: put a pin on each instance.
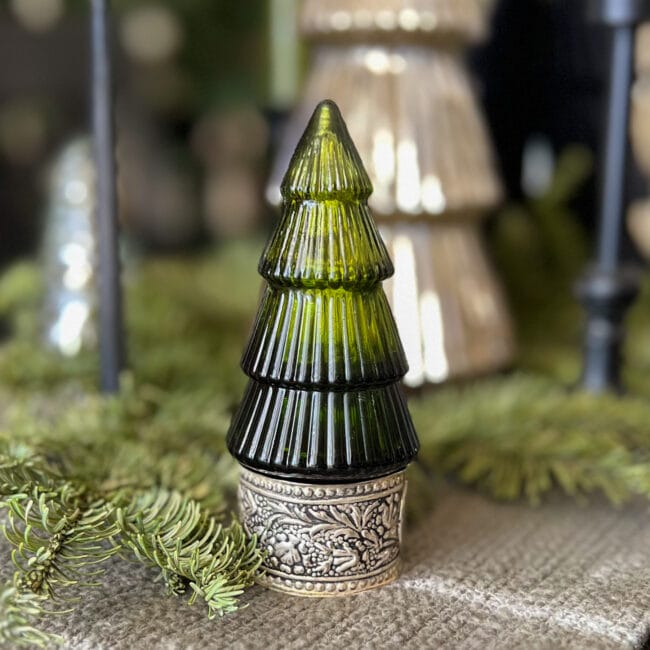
(204, 87)
(192, 81)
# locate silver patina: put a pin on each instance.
(324, 539)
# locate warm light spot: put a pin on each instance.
(408, 177)
(377, 61)
(405, 307)
(79, 268)
(75, 191)
(383, 156)
(436, 365)
(341, 20)
(409, 19)
(73, 254)
(433, 198)
(66, 333)
(77, 277)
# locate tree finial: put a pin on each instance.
(326, 164)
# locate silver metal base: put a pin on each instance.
(322, 539)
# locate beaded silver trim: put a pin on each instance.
(324, 540)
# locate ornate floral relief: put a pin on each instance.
(325, 539)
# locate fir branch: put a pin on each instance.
(20, 475)
(167, 530)
(61, 529)
(59, 538)
(524, 435)
(138, 440)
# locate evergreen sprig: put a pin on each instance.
(84, 481)
(193, 550)
(58, 537)
(525, 435)
(18, 611)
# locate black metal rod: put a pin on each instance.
(608, 289)
(111, 341)
(613, 177)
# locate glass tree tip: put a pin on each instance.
(327, 118)
(326, 164)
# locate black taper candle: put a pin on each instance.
(608, 289)
(111, 333)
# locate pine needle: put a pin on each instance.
(524, 435)
(18, 612)
(215, 562)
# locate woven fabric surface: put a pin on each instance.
(476, 574)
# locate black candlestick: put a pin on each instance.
(110, 296)
(608, 289)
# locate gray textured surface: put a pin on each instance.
(477, 574)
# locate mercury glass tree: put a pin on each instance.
(68, 251)
(323, 431)
(395, 67)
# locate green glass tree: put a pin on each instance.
(324, 405)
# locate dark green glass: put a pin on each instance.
(324, 339)
(324, 400)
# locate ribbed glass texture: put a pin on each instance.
(325, 338)
(326, 243)
(324, 435)
(324, 402)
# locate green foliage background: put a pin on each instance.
(85, 479)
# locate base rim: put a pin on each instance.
(341, 589)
